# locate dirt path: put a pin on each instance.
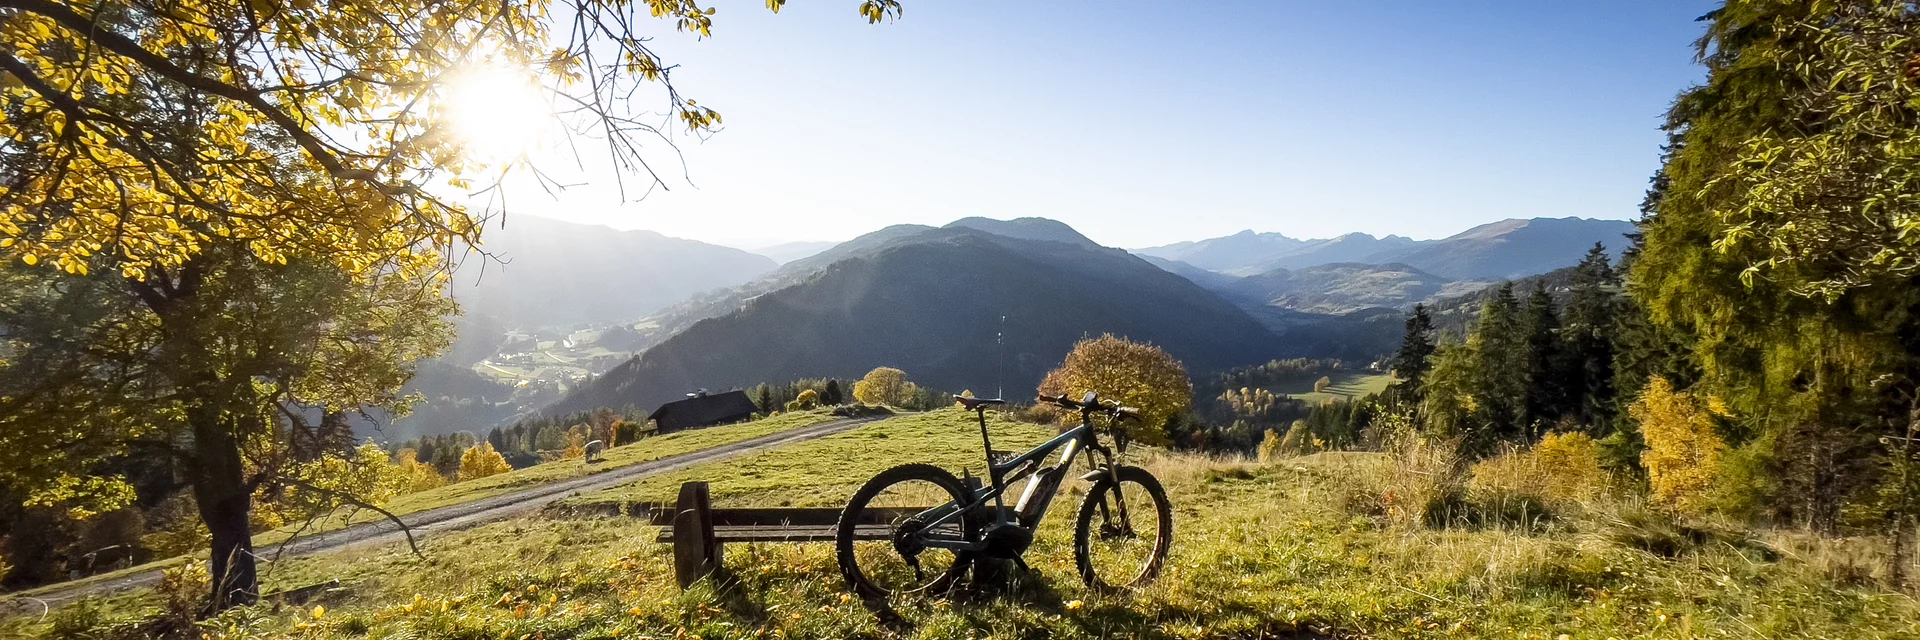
(452, 517)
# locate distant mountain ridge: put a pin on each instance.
(1515, 248)
(1226, 253)
(1343, 287)
(1349, 248)
(1499, 250)
(790, 251)
(554, 273)
(931, 301)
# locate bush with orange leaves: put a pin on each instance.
(1683, 449)
(1131, 373)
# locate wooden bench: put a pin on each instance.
(697, 530)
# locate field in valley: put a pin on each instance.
(1347, 385)
(1261, 551)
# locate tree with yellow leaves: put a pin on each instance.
(1131, 373)
(480, 461)
(416, 475)
(1683, 450)
(885, 385)
(178, 155)
(576, 442)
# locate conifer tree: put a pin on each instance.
(1588, 339)
(1499, 349)
(1411, 363)
(1547, 387)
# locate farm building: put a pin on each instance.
(701, 410)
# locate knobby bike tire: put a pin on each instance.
(845, 529)
(1089, 510)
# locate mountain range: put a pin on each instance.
(1495, 251)
(931, 301)
(979, 304)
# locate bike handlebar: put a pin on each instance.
(1111, 408)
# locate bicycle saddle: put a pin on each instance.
(976, 403)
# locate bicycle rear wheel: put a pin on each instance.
(879, 540)
(1115, 552)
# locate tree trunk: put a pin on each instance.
(219, 485)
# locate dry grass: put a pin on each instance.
(1260, 551)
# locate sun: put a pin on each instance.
(498, 113)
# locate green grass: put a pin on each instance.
(1261, 551)
(1346, 386)
(825, 472)
(645, 450)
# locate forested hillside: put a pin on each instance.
(932, 305)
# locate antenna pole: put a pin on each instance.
(1000, 382)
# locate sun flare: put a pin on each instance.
(497, 112)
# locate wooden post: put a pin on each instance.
(696, 552)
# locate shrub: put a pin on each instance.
(1683, 450)
(576, 442)
(1527, 486)
(884, 385)
(480, 461)
(1270, 447)
(807, 399)
(1132, 373)
(1321, 385)
(416, 475)
(1419, 484)
(185, 587)
(1299, 439)
(626, 432)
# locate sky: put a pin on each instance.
(1145, 123)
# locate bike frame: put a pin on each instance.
(1042, 488)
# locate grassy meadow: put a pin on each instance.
(1305, 547)
(1346, 385)
(645, 450)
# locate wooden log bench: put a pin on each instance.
(697, 531)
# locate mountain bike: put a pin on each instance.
(915, 528)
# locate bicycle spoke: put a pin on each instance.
(895, 524)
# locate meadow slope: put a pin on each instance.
(1261, 551)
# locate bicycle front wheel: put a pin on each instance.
(1123, 548)
(881, 539)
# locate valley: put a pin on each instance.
(432, 320)
(1311, 298)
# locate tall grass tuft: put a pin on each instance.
(1420, 485)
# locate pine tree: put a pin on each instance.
(831, 396)
(1588, 339)
(1499, 349)
(1411, 363)
(1546, 380)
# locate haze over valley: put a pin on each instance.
(558, 326)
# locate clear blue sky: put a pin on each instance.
(1142, 123)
